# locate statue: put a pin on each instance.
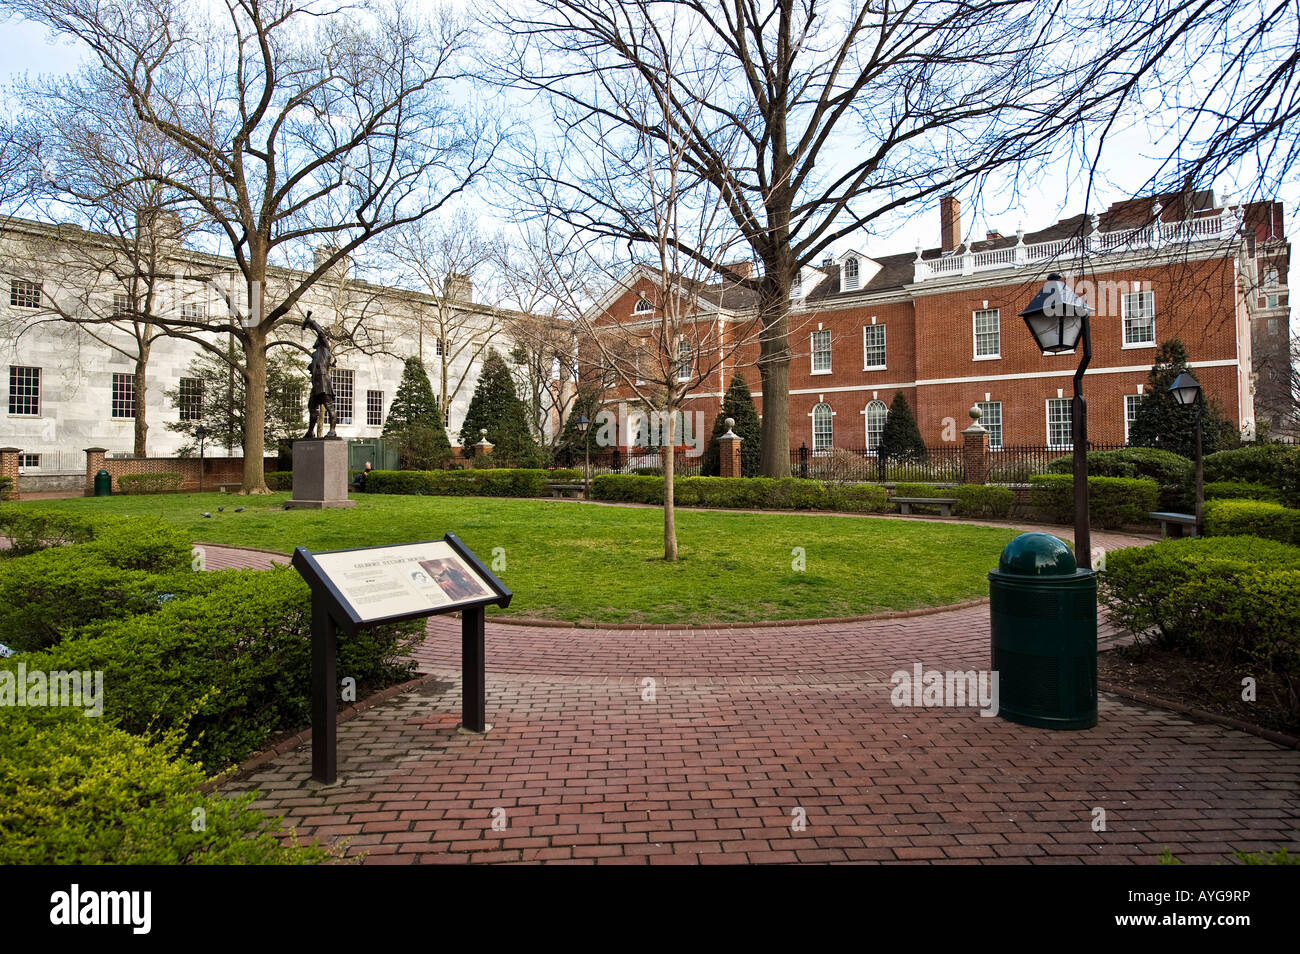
(322, 387)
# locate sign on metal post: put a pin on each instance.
(373, 586)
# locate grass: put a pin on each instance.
(595, 564)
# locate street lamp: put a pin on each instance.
(1187, 391)
(1058, 318)
(582, 424)
(201, 433)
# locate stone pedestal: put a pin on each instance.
(729, 451)
(9, 468)
(320, 475)
(975, 450)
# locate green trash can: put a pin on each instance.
(1043, 612)
(103, 484)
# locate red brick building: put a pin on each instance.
(942, 325)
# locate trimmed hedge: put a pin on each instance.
(77, 791)
(1230, 598)
(1241, 490)
(1173, 472)
(983, 500)
(486, 482)
(279, 480)
(163, 483)
(1112, 501)
(1256, 518)
(1273, 465)
(32, 530)
(743, 493)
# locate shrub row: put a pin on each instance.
(1256, 518)
(1232, 598)
(1174, 473)
(1273, 465)
(279, 480)
(32, 530)
(1241, 490)
(976, 500)
(79, 791)
(164, 483)
(6, 488)
(491, 482)
(1112, 501)
(744, 493)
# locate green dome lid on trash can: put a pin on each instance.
(1037, 554)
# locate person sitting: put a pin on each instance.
(359, 482)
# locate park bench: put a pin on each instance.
(566, 490)
(905, 504)
(1181, 523)
(228, 487)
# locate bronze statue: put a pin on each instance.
(322, 385)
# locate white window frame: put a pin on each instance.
(187, 409)
(1069, 406)
(975, 334)
(1137, 399)
(815, 351)
(126, 382)
(643, 306)
(984, 406)
(884, 346)
(685, 360)
(24, 380)
(854, 281)
(345, 413)
(1144, 294)
(369, 395)
(830, 420)
(875, 403)
(24, 293)
(193, 309)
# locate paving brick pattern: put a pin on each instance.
(751, 729)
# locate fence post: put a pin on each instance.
(975, 450)
(803, 461)
(95, 457)
(729, 451)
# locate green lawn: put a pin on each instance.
(604, 564)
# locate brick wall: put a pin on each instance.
(216, 470)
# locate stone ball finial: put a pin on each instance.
(975, 413)
(730, 422)
(482, 432)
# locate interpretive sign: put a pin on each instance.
(372, 586)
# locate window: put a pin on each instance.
(291, 402)
(1139, 319)
(683, 360)
(991, 421)
(1272, 301)
(850, 274)
(192, 309)
(24, 391)
(26, 461)
(643, 306)
(1131, 402)
(446, 418)
(1270, 277)
(873, 346)
(876, 415)
(24, 294)
(796, 288)
(342, 381)
(1272, 326)
(190, 401)
(1059, 423)
(123, 396)
(988, 333)
(608, 376)
(122, 307)
(823, 428)
(821, 352)
(439, 346)
(374, 408)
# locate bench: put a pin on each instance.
(1180, 522)
(227, 487)
(905, 504)
(566, 490)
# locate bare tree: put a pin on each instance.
(841, 114)
(307, 128)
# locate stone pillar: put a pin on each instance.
(729, 451)
(95, 457)
(484, 446)
(9, 468)
(320, 475)
(975, 450)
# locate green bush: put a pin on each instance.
(77, 791)
(230, 667)
(1229, 598)
(982, 500)
(142, 543)
(1273, 465)
(6, 488)
(628, 488)
(859, 498)
(742, 493)
(1241, 490)
(1174, 473)
(1112, 501)
(32, 530)
(164, 483)
(1256, 518)
(478, 482)
(279, 480)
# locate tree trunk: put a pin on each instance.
(141, 403)
(670, 514)
(774, 373)
(254, 481)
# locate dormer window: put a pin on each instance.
(643, 306)
(850, 273)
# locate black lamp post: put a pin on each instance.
(582, 424)
(201, 433)
(1058, 318)
(1187, 390)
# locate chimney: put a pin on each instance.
(993, 235)
(322, 253)
(741, 269)
(458, 287)
(949, 221)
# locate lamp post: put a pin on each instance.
(1187, 390)
(582, 424)
(201, 433)
(1058, 318)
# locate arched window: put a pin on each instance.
(823, 428)
(876, 414)
(850, 273)
(643, 305)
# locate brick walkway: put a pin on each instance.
(750, 728)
